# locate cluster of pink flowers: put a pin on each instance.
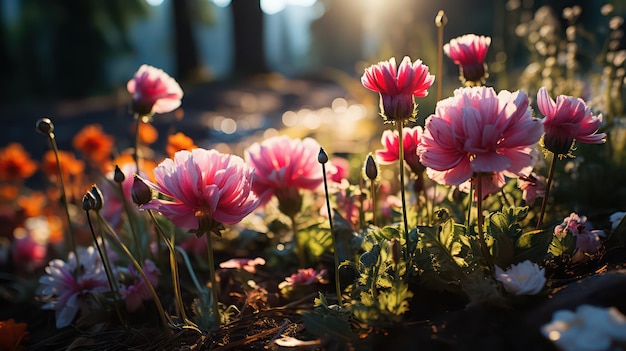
(587, 240)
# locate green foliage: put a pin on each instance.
(563, 246)
(327, 320)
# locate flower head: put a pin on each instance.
(616, 218)
(390, 153)
(154, 91)
(137, 292)
(589, 328)
(469, 51)
(567, 120)
(93, 143)
(303, 276)
(247, 264)
(70, 166)
(398, 86)
(283, 166)
(177, 142)
(113, 204)
(67, 289)
(525, 278)
(15, 163)
(532, 186)
(204, 185)
(587, 240)
(477, 131)
(12, 334)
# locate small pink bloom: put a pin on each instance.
(398, 87)
(477, 131)
(341, 169)
(306, 276)
(247, 264)
(283, 166)
(567, 120)
(154, 91)
(30, 244)
(587, 240)
(410, 138)
(204, 185)
(138, 292)
(532, 186)
(469, 51)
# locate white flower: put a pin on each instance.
(66, 289)
(590, 328)
(525, 278)
(616, 218)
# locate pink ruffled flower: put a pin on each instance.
(154, 91)
(411, 138)
(247, 264)
(205, 187)
(587, 240)
(567, 120)
(469, 51)
(303, 276)
(67, 290)
(532, 186)
(398, 87)
(477, 131)
(138, 292)
(283, 166)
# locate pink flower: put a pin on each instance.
(477, 131)
(469, 51)
(113, 205)
(138, 292)
(30, 244)
(341, 169)
(398, 87)
(303, 276)
(587, 240)
(567, 120)
(532, 186)
(153, 91)
(247, 264)
(67, 290)
(283, 166)
(204, 185)
(411, 138)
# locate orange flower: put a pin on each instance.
(8, 192)
(33, 204)
(15, 163)
(147, 133)
(146, 166)
(177, 142)
(93, 143)
(70, 166)
(11, 334)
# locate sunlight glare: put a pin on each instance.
(271, 7)
(155, 2)
(221, 3)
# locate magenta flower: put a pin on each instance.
(283, 166)
(587, 240)
(303, 276)
(532, 186)
(138, 292)
(153, 91)
(477, 131)
(411, 138)
(567, 120)
(67, 290)
(398, 87)
(469, 51)
(207, 188)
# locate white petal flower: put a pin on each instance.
(525, 278)
(590, 328)
(616, 218)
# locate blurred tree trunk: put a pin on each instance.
(248, 38)
(188, 65)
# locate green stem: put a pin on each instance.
(373, 192)
(113, 235)
(216, 309)
(545, 197)
(296, 239)
(405, 233)
(192, 273)
(333, 238)
(107, 270)
(469, 207)
(131, 221)
(481, 234)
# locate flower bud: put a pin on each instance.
(44, 126)
(118, 175)
(370, 168)
(322, 157)
(396, 250)
(96, 196)
(140, 192)
(87, 202)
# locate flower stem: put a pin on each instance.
(296, 239)
(545, 197)
(405, 234)
(70, 233)
(333, 238)
(107, 270)
(131, 221)
(155, 296)
(174, 269)
(481, 235)
(216, 310)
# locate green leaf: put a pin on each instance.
(565, 246)
(327, 325)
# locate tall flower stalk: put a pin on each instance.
(567, 120)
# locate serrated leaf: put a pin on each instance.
(565, 246)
